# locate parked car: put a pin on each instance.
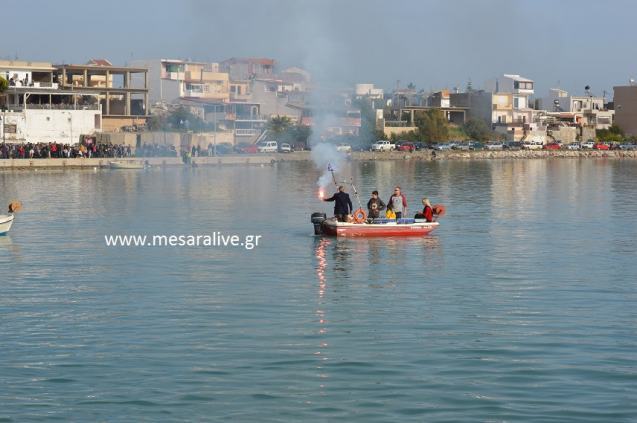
(268, 147)
(512, 145)
(574, 146)
(475, 145)
(628, 147)
(551, 146)
(285, 148)
(382, 145)
(420, 146)
(245, 148)
(588, 144)
(601, 146)
(442, 147)
(407, 146)
(344, 148)
(494, 146)
(533, 145)
(223, 149)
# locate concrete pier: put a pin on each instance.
(238, 160)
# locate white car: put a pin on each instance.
(382, 145)
(285, 148)
(494, 146)
(588, 144)
(533, 145)
(268, 147)
(574, 146)
(344, 148)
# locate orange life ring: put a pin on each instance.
(439, 210)
(360, 216)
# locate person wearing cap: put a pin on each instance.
(342, 204)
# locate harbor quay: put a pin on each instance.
(269, 159)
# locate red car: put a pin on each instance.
(407, 146)
(551, 146)
(249, 149)
(601, 146)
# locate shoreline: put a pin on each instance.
(269, 159)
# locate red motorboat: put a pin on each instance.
(374, 228)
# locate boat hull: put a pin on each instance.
(126, 165)
(354, 230)
(5, 223)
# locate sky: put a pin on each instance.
(434, 44)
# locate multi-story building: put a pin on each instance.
(585, 110)
(121, 91)
(242, 69)
(625, 103)
(36, 109)
(171, 80)
(368, 91)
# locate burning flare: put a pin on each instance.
(321, 193)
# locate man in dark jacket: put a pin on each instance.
(342, 204)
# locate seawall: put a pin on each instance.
(78, 163)
(261, 159)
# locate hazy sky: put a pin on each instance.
(432, 43)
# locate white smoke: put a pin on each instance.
(326, 157)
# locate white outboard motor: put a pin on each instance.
(317, 221)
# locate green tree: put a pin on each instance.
(613, 134)
(279, 125)
(477, 129)
(432, 125)
(3, 84)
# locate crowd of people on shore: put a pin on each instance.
(85, 149)
(62, 151)
(395, 208)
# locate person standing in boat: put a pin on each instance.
(375, 205)
(398, 202)
(342, 204)
(427, 211)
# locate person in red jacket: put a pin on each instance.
(427, 211)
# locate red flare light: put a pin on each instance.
(321, 194)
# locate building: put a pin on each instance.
(173, 79)
(36, 109)
(368, 91)
(587, 110)
(241, 69)
(121, 91)
(625, 102)
(505, 105)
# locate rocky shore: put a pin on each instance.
(472, 155)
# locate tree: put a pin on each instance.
(279, 124)
(3, 84)
(613, 134)
(477, 129)
(432, 125)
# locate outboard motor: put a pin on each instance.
(317, 221)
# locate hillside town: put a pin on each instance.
(231, 105)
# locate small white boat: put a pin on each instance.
(127, 164)
(6, 220)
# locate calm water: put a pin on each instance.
(521, 307)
